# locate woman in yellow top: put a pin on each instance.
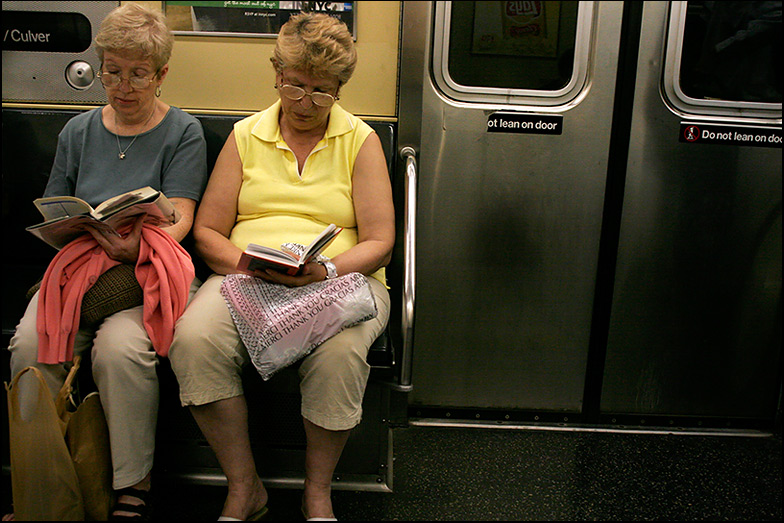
(283, 175)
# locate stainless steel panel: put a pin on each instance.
(696, 317)
(507, 239)
(40, 76)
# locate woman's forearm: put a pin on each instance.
(366, 257)
(216, 250)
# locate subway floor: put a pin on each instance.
(453, 474)
(458, 474)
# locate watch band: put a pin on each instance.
(332, 271)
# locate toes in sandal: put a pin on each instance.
(140, 512)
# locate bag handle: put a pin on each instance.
(13, 395)
(63, 396)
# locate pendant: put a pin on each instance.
(121, 156)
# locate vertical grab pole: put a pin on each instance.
(408, 154)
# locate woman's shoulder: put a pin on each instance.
(178, 116)
(262, 124)
(355, 120)
(180, 122)
(342, 122)
(270, 113)
(83, 119)
(250, 120)
(82, 123)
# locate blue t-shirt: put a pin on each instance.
(171, 157)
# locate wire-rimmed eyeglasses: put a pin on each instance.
(114, 79)
(292, 92)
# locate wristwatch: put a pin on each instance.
(332, 271)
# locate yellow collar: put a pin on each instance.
(268, 129)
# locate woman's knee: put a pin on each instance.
(336, 363)
(121, 341)
(24, 349)
(337, 355)
(24, 342)
(206, 333)
(188, 347)
(23, 354)
(208, 367)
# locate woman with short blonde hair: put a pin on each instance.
(283, 175)
(133, 29)
(316, 45)
(133, 141)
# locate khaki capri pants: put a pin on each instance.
(207, 356)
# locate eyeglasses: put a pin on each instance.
(114, 79)
(293, 92)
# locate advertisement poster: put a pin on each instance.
(516, 28)
(255, 18)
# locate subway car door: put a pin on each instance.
(509, 107)
(695, 331)
(598, 211)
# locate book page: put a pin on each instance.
(321, 242)
(261, 251)
(61, 232)
(56, 207)
(154, 215)
(122, 201)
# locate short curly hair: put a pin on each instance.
(136, 30)
(317, 44)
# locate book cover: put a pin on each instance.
(260, 258)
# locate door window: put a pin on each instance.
(724, 58)
(512, 52)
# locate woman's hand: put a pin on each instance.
(312, 272)
(124, 249)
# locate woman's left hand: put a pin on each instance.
(124, 249)
(312, 272)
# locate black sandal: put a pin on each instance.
(139, 512)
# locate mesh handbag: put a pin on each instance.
(115, 290)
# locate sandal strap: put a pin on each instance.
(125, 507)
(143, 495)
(140, 512)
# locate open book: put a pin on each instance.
(65, 217)
(260, 258)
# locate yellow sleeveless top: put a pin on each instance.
(276, 205)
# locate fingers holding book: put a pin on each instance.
(120, 247)
(311, 272)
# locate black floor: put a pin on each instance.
(449, 474)
(497, 474)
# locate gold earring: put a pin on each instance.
(158, 91)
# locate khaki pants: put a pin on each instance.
(207, 355)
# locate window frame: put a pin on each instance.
(512, 96)
(679, 101)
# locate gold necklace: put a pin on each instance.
(121, 156)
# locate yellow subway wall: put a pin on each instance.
(233, 74)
